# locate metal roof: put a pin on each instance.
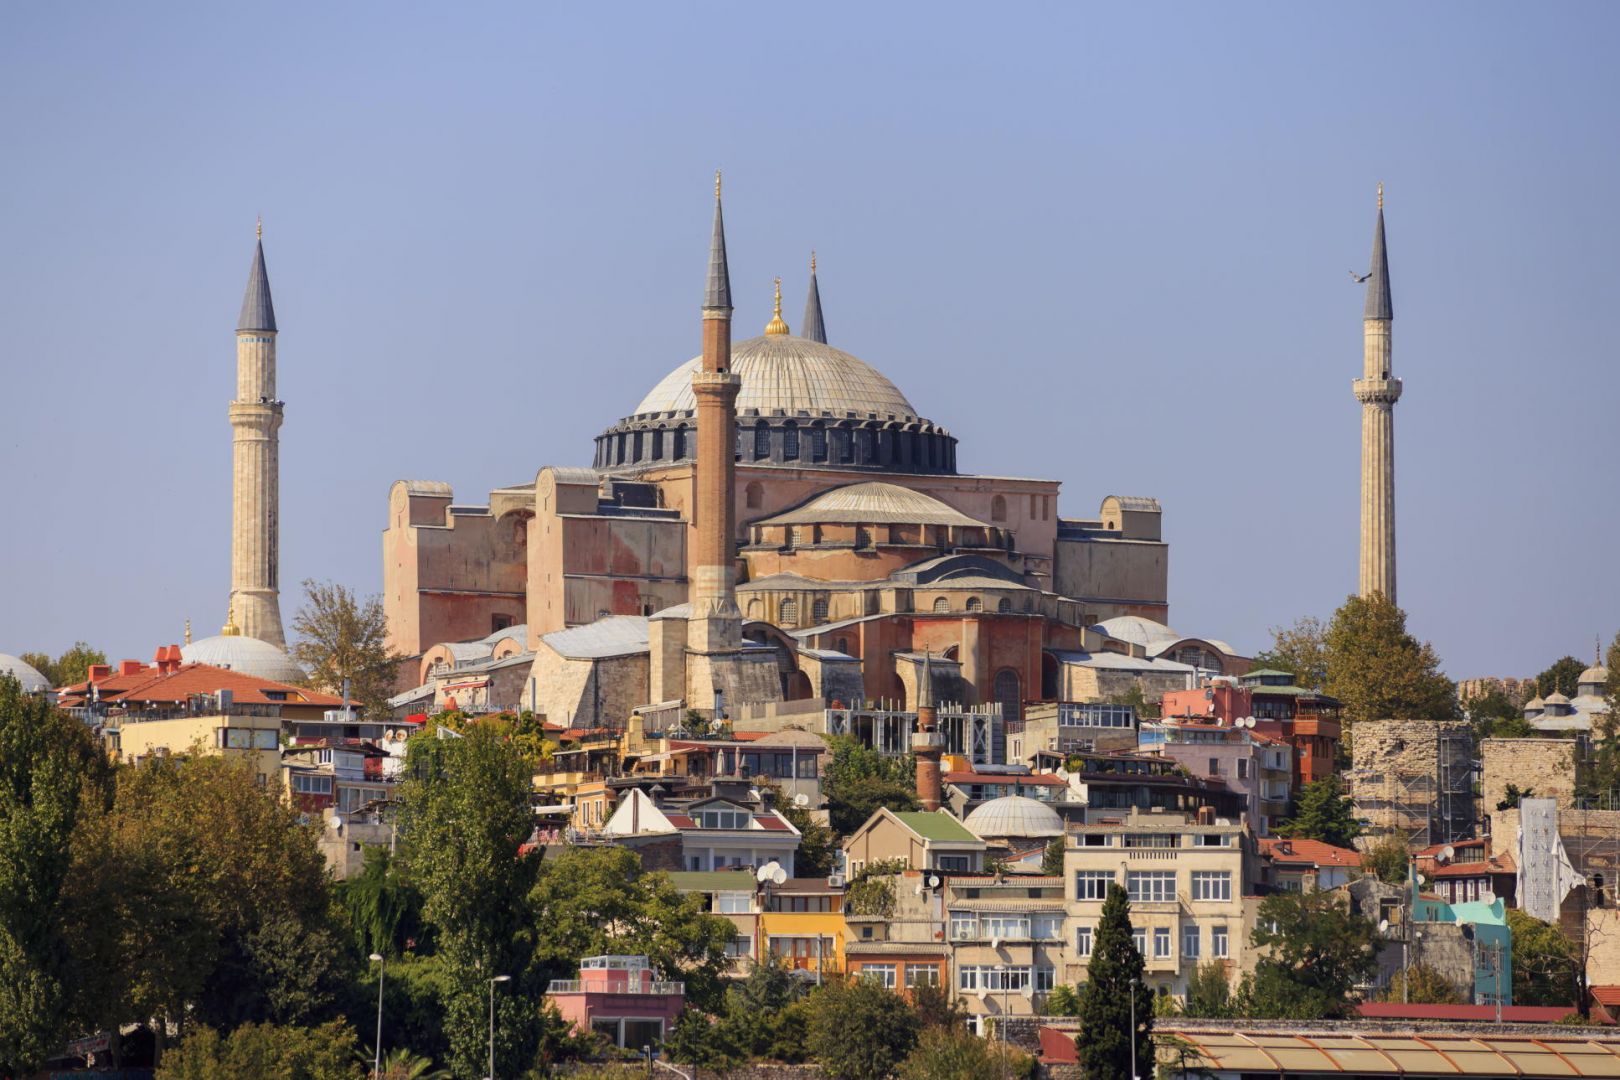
(258, 313)
(1401, 1053)
(874, 502)
(1379, 305)
(717, 295)
(616, 635)
(813, 328)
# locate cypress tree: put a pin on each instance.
(1113, 978)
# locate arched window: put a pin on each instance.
(1009, 692)
(867, 442)
(998, 509)
(754, 495)
(941, 604)
(1004, 605)
(975, 604)
(790, 442)
(622, 442)
(863, 537)
(756, 609)
(677, 444)
(790, 612)
(762, 442)
(818, 610)
(658, 444)
(845, 441)
(818, 443)
(796, 536)
(635, 447)
(843, 645)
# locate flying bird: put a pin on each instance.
(1360, 278)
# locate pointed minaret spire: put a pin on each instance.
(925, 685)
(718, 295)
(258, 313)
(1378, 301)
(813, 328)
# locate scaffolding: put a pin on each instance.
(977, 732)
(1414, 779)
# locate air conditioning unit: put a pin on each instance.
(836, 881)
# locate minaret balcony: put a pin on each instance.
(1377, 391)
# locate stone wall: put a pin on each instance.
(1548, 767)
(1413, 778)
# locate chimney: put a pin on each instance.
(1206, 815)
(130, 667)
(97, 672)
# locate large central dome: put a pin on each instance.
(802, 404)
(798, 376)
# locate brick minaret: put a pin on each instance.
(927, 744)
(715, 624)
(1378, 392)
(256, 482)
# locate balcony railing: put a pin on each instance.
(577, 986)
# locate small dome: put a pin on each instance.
(1014, 816)
(1596, 675)
(250, 656)
(32, 681)
(794, 374)
(1535, 704)
(1555, 698)
(1138, 631)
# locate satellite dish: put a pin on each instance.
(778, 875)
(1488, 896)
(766, 872)
(801, 799)
(933, 881)
(995, 943)
(1383, 926)
(1447, 853)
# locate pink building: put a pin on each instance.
(620, 997)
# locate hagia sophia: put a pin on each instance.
(814, 558)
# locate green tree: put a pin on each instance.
(1313, 952)
(1052, 858)
(817, 844)
(937, 1007)
(956, 1054)
(341, 637)
(1209, 992)
(600, 900)
(402, 1064)
(1560, 678)
(1388, 861)
(860, 1031)
(1064, 1000)
(1547, 968)
(1323, 812)
(1300, 650)
(1495, 716)
(697, 1040)
(759, 1020)
(871, 890)
(51, 776)
(384, 908)
(73, 666)
(1423, 985)
(1511, 797)
(1113, 989)
(854, 802)
(1604, 775)
(1378, 670)
(464, 816)
(329, 1052)
(213, 896)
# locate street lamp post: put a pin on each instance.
(1133, 1030)
(492, 982)
(376, 1067)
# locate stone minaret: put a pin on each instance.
(256, 482)
(927, 744)
(715, 624)
(1378, 391)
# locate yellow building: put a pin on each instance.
(802, 924)
(1185, 875)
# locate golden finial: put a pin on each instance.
(776, 325)
(230, 628)
(717, 183)
(259, 229)
(188, 631)
(812, 260)
(1380, 196)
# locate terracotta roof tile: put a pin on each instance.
(1308, 852)
(152, 685)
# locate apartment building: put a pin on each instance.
(1185, 875)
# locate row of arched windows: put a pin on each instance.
(779, 440)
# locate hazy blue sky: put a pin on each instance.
(1103, 244)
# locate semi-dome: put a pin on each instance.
(874, 503)
(802, 403)
(794, 374)
(26, 674)
(1014, 817)
(248, 655)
